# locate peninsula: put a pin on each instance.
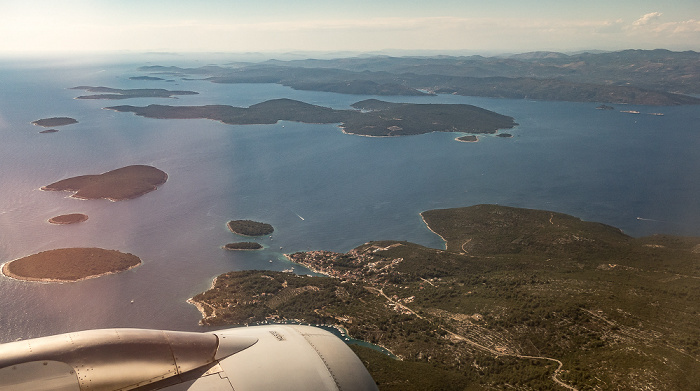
(54, 121)
(371, 118)
(69, 264)
(121, 184)
(118, 93)
(72, 218)
(519, 298)
(249, 228)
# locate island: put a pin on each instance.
(72, 218)
(504, 135)
(371, 117)
(243, 246)
(518, 298)
(605, 107)
(54, 121)
(468, 139)
(69, 264)
(150, 78)
(118, 93)
(49, 131)
(121, 184)
(249, 228)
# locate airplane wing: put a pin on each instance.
(286, 357)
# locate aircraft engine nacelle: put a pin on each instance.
(287, 357)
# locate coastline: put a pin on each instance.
(344, 333)
(307, 266)
(200, 306)
(431, 230)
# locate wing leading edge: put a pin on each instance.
(289, 357)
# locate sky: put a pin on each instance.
(489, 26)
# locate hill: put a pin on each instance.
(520, 299)
(646, 77)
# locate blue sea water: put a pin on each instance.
(319, 188)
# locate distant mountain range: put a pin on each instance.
(650, 77)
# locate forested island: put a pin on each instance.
(69, 264)
(372, 117)
(249, 228)
(468, 139)
(71, 218)
(243, 246)
(54, 121)
(118, 93)
(121, 184)
(522, 297)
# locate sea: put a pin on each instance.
(321, 189)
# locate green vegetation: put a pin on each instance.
(377, 118)
(118, 93)
(249, 228)
(394, 119)
(514, 293)
(243, 246)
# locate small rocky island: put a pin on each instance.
(468, 139)
(72, 218)
(249, 228)
(243, 246)
(121, 184)
(149, 78)
(54, 121)
(69, 264)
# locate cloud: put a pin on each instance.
(687, 26)
(646, 19)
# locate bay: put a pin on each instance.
(321, 189)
